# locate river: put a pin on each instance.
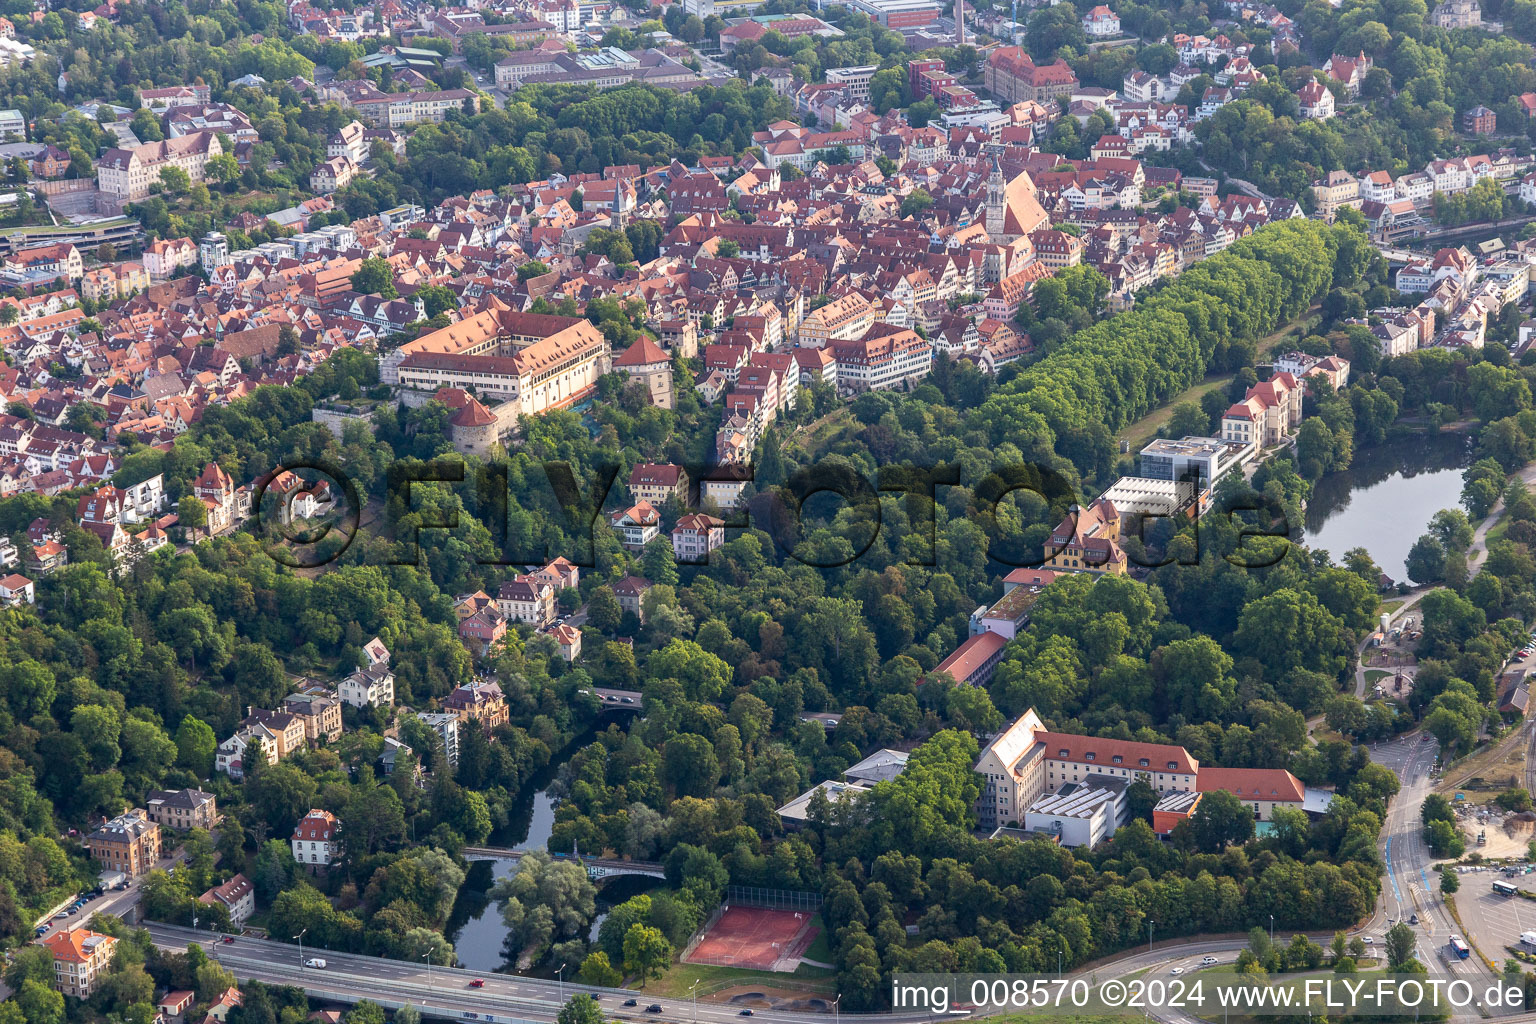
(1384, 501)
(475, 926)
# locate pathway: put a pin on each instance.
(1477, 553)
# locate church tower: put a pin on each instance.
(997, 202)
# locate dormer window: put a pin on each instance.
(1173, 765)
(1089, 756)
(1118, 759)
(1145, 763)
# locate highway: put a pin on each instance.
(446, 992)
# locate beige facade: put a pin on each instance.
(127, 174)
(129, 843)
(182, 809)
(79, 959)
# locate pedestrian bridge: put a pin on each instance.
(597, 867)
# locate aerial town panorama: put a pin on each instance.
(575, 511)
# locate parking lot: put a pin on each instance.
(1495, 921)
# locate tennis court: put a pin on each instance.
(756, 938)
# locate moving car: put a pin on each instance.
(745, 1013)
(1207, 961)
(316, 963)
(228, 939)
(477, 983)
(653, 1008)
(630, 1002)
(1177, 971)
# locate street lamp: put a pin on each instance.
(1058, 961)
(300, 938)
(560, 981)
(694, 991)
(839, 999)
(427, 956)
(1150, 923)
(1271, 929)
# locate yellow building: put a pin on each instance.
(1088, 540)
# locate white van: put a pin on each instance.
(316, 963)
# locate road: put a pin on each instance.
(118, 904)
(504, 999)
(1410, 889)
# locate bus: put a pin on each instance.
(1505, 889)
(1460, 948)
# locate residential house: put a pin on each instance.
(637, 525)
(129, 843)
(373, 686)
(316, 840)
(80, 958)
(657, 482)
(481, 702)
(237, 895)
(181, 809)
(630, 590)
(1269, 413)
(695, 536)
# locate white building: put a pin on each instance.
(447, 728)
(1101, 23)
(315, 839)
(16, 589)
(1080, 814)
(1026, 762)
(238, 895)
(374, 685)
(213, 251)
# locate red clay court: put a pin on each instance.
(756, 938)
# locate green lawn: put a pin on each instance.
(1375, 675)
(1145, 429)
(1390, 606)
(677, 981)
(820, 949)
